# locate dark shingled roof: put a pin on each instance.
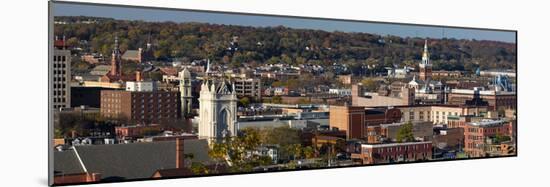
(66, 162)
(117, 162)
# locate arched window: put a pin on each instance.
(222, 122)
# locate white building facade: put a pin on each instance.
(141, 86)
(217, 110)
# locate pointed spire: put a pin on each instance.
(208, 66)
(149, 41)
(425, 54)
(426, 45)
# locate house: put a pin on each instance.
(279, 91)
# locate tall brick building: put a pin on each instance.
(141, 107)
(355, 119)
(350, 119)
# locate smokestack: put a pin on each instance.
(138, 76)
(180, 156)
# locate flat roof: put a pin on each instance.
(394, 144)
(488, 122)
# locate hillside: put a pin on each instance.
(189, 41)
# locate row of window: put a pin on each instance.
(142, 117)
(475, 138)
(59, 85)
(59, 92)
(56, 100)
(404, 157)
(59, 65)
(412, 115)
(55, 79)
(166, 106)
(473, 145)
(59, 58)
(167, 94)
(160, 100)
(400, 148)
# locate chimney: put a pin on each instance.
(73, 134)
(138, 76)
(180, 156)
(94, 177)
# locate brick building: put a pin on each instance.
(355, 119)
(392, 152)
(141, 107)
(135, 130)
(350, 119)
(478, 136)
(388, 132)
(495, 99)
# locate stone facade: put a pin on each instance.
(61, 74)
(185, 92)
(217, 109)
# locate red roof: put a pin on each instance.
(59, 43)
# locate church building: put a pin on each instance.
(217, 109)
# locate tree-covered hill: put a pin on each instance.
(280, 44)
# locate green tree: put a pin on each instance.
(199, 168)
(405, 133)
(281, 135)
(245, 101)
(309, 152)
(369, 84)
(218, 152)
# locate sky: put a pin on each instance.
(181, 16)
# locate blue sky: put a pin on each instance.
(159, 15)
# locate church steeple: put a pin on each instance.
(115, 60)
(425, 65)
(426, 54)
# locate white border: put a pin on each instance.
(23, 120)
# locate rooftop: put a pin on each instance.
(488, 122)
(379, 145)
(116, 162)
